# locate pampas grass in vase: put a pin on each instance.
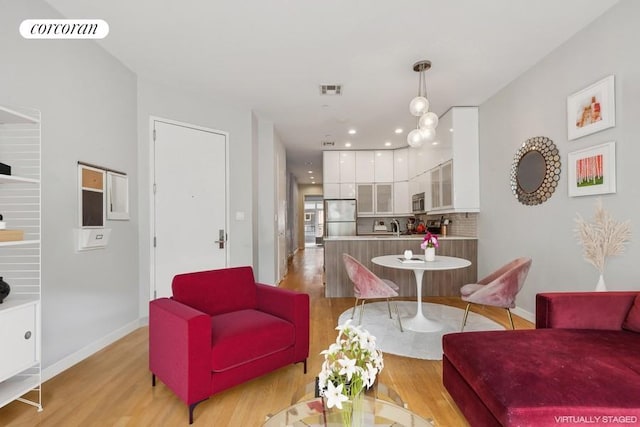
(601, 238)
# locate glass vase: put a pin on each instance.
(430, 254)
(353, 411)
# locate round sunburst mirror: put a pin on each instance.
(535, 172)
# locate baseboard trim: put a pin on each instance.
(66, 363)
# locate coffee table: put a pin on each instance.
(314, 412)
(419, 322)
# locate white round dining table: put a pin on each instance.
(419, 322)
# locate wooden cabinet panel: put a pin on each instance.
(434, 283)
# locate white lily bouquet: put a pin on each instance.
(350, 364)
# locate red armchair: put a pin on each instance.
(220, 329)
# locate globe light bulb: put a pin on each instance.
(419, 106)
(428, 121)
(428, 135)
(414, 138)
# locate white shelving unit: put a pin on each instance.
(20, 261)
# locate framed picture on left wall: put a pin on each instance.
(592, 109)
(592, 170)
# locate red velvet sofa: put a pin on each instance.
(581, 365)
(220, 329)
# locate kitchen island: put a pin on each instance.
(364, 248)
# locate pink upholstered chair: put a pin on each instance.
(367, 285)
(499, 289)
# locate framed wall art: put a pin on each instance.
(592, 109)
(592, 170)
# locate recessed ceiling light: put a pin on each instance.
(312, 177)
(451, 130)
(435, 143)
(378, 154)
(313, 182)
(398, 130)
(387, 144)
(352, 131)
(347, 144)
(309, 171)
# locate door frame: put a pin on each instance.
(152, 211)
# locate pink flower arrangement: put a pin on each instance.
(430, 241)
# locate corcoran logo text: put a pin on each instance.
(64, 29)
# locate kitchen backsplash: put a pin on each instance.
(461, 224)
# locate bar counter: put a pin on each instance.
(365, 247)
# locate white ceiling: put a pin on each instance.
(271, 56)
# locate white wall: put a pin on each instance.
(266, 202)
(271, 196)
(88, 104)
(159, 100)
(533, 105)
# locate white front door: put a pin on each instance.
(190, 202)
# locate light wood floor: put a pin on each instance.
(113, 387)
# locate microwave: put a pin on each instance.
(417, 203)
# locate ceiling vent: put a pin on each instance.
(330, 89)
(327, 144)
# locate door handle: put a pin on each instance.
(221, 239)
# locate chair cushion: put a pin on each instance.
(217, 291)
(246, 335)
(632, 321)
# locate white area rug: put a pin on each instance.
(419, 345)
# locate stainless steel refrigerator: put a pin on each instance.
(340, 217)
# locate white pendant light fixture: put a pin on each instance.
(419, 107)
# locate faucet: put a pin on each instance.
(397, 224)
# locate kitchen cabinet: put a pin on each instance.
(374, 199)
(371, 177)
(339, 191)
(331, 191)
(384, 198)
(454, 187)
(347, 190)
(365, 166)
(20, 203)
(441, 186)
(331, 167)
(347, 166)
(458, 177)
(383, 166)
(364, 196)
(401, 198)
(339, 169)
(401, 165)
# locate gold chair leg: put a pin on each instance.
(510, 319)
(398, 314)
(389, 307)
(353, 312)
(464, 319)
(361, 311)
